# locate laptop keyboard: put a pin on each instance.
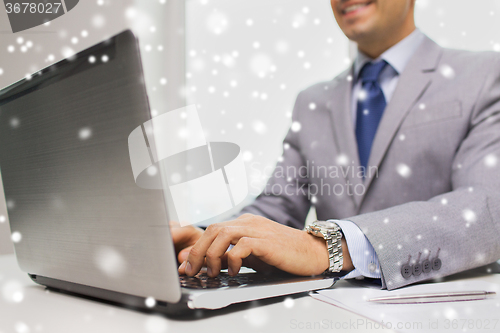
(203, 281)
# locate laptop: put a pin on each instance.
(81, 223)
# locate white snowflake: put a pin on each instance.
(14, 122)
(150, 302)
(261, 65)
(450, 313)
(152, 171)
(362, 95)
(282, 47)
(13, 291)
(247, 156)
(469, 215)
(228, 61)
(21, 327)
(296, 126)
(16, 237)
(2, 219)
(447, 71)
(288, 302)
(402, 137)
(98, 21)
(259, 127)
(491, 160)
(11, 204)
(256, 316)
(312, 106)
(403, 170)
(111, 262)
(342, 160)
(85, 133)
(444, 201)
(217, 23)
(156, 324)
(299, 20)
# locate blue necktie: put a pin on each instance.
(371, 106)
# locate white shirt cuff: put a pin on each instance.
(363, 255)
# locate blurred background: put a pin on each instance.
(241, 62)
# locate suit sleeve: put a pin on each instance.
(285, 198)
(462, 227)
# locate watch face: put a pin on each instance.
(326, 224)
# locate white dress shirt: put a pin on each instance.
(363, 255)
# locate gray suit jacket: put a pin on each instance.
(437, 157)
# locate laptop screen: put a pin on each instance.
(71, 196)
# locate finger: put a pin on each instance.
(183, 254)
(225, 237)
(182, 268)
(184, 234)
(198, 252)
(245, 247)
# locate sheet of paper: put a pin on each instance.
(465, 316)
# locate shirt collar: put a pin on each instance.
(397, 56)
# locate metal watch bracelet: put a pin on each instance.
(332, 234)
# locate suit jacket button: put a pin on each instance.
(426, 266)
(406, 271)
(417, 269)
(436, 264)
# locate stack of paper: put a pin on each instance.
(464, 316)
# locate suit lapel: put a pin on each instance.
(413, 82)
(339, 107)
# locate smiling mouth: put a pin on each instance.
(355, 7)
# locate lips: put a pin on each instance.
(354, 7)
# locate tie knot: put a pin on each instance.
(371, 71)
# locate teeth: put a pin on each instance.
(353, 8)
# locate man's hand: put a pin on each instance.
(184, 239)
(255, 237)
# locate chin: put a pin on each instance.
(359, 32)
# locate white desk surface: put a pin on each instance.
(47, 311)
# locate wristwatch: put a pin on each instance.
(331, 232)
